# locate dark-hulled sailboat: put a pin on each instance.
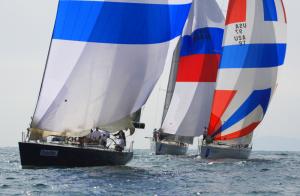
(192, 80)
(104, 59)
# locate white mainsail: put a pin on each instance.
(189, 111)
(104, 60)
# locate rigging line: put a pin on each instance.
(45, 68)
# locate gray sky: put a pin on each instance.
(26, 28)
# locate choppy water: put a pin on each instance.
(266, 173)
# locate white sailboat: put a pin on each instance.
(254, 47)
(104, 59)
(192, 80)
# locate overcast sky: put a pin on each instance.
(25, 31)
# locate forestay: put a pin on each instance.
(104, 60)
(254, 48)
(190, 106)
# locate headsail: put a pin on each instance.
(254, 47)
(190, 106)
(104, 61)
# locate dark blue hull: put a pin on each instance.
(52, 155)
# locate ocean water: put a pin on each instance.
(265, 173)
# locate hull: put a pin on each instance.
(45, 155)
(216, 152)
(161, 148)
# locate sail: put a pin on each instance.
(254, 47)
(104, 60)
(190, 107)
(172, 80)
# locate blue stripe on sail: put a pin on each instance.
(270, 12)
(257, 98)
(253, 56)
(203, 41)
(120, 23)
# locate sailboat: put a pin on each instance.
(254, 48)
(105, 57)
(192, 80)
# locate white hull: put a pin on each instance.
(224, 152)
(168, 148)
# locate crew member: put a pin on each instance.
(155, 135)
(205, 134)
(103, 138)
(120, 141)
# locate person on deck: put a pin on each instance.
(205, 134)
(103, 138)
(96, 134)
(120, 141)
(155, 135)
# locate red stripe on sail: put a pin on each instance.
(198, 68)
(222, 99)
(285, 19)
(237, 10)
(238, 134)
